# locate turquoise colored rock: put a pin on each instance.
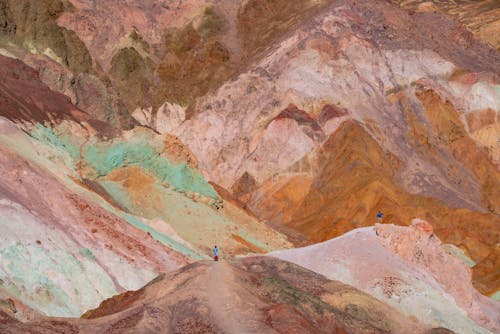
(143, 149)
(459, 253)
(45, 269)
(63, 270)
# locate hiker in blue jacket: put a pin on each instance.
(216, 253)
(379, 216)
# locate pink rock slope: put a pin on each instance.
(408, 268)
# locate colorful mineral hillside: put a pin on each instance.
(338, 159)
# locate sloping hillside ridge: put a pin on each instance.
(250, 295)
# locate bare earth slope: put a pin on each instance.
(251, 295)
(408, 268)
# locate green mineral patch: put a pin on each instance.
(197, 223)
(87, 253)
(34, 281)
(458, 253)
(61, 142)
(142, 150)
(188, 218)
(136, 175)
(105, 158)
(43, 266)
(123, 198)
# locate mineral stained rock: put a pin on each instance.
(137, 134)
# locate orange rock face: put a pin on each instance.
(449, 133)
(355, 179)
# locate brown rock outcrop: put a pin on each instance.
(480, 17)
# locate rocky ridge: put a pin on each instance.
(251, 295)
(408, 268)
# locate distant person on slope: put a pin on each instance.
(379, 216)
(216, 253)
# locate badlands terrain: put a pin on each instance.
(137, 134)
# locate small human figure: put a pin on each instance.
(379, 216)
(216, 253)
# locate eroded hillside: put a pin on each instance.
(136, 135)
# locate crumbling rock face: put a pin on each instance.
(106, 27)
(314, 68)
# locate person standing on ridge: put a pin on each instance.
(379, 216)
(216, 253)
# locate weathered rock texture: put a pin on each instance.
(89, 211)
(252, 295)
(408, 268)
(360, 109)
(480, 17)
(308, 115)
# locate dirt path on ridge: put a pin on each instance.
(235, 310)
